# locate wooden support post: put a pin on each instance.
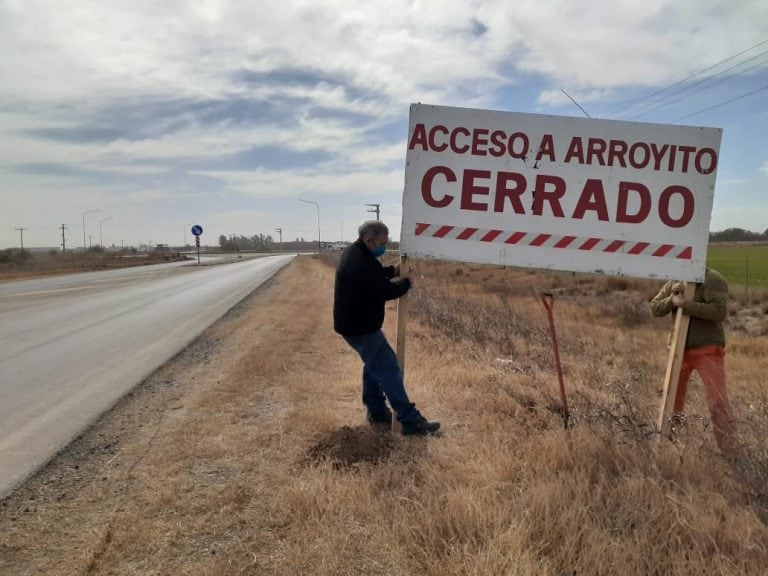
(402, 321)
(674, 363)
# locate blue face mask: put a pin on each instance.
(378, 251)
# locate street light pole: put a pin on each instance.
(318, 220)
(85, 246)
(280, 231)
(101, 238)
(341, 230)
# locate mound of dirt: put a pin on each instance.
(348, 446)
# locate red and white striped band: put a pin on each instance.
(584, 243)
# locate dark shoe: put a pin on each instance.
(380, 418)
(420, 427)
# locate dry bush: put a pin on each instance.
(494, 324)
(611, 401)
(751, 460)
(628, 308)
(748, 297)
(330, 258)
(614, 509)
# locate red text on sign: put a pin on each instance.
(485, 191)
(590, 151)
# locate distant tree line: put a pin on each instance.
(737, 235)
(262, 243)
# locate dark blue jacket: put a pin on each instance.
(361, 288)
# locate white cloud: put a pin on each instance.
(95, 49)
(630, 42)
(558, 98)
(80, 65)
(241, 221)
(294, 184)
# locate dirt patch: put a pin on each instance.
(348, 446)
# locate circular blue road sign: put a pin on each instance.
(197, 229)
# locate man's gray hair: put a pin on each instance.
(372, 229)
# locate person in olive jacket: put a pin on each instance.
(362, 287)
(704, 347)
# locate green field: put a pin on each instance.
(741, 265)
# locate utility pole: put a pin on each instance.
(63, 238)
(101, 238)
(280, 231)
(375, 208)
(21, 231)
(85, 246)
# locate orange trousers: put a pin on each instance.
(709, 362)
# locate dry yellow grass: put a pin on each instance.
(214, 466)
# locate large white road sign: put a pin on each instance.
(620, 198)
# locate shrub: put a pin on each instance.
(14, 256)
(618, 284)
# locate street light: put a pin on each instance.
(101, 238)
(318, 220)
(85, 246)
(341, 230)
(280, 231)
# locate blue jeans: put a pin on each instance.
(382, 377)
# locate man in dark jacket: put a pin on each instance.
(362, 287)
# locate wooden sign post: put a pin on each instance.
(674, 363)
(402, 321)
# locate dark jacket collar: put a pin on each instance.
(360, 244)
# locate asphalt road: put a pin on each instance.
(71, 346)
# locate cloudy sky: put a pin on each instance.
(225, 113)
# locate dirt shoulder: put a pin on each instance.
(166, 481)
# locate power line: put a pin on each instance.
(715, 65)
(577, 104)
(721, 104)
(684, 96)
